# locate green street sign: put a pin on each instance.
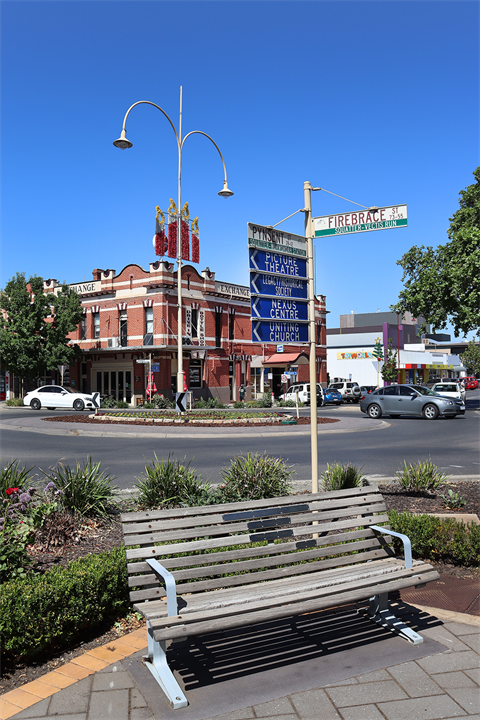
(384, 218)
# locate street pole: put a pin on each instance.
(307, 189)
(179, 259)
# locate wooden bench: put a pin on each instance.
(201, 569)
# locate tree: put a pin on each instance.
(471, 358)
(389, 370)
(443, 284)
(34, 327)
(378, 353)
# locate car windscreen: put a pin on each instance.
(71, 390)
(424, 390)
(445, 388)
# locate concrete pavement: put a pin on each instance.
(371, 679)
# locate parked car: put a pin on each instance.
(303, 390)
(329, 396)
(350, 391)
(396, 400)
(366, 390)
(471, 384)
(450, 389)
(54, 396)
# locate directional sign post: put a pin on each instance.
(180, 402)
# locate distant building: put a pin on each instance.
(130, 323)
(350, 346)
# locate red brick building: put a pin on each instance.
(132, 317)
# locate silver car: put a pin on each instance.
(396, 400)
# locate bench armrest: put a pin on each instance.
(407, 545)
(170, 586)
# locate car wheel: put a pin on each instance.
(78, 405)
(374, 411)
(35, 404)
(430, 412)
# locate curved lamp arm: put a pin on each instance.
(145, 102)
(199, 132)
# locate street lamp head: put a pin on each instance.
(225, 192)
(373, 208)
(122, 141)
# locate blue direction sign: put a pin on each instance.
(279, 332)
(279, 309)
(276, 286)
(277, 263)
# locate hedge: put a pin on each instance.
(42, 612)
(437, 539)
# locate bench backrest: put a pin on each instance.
(217, 546)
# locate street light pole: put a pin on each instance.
(307, 190)
(123, 143)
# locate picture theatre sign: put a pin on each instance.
(278, 285)
(383, 218)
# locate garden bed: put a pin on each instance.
(192, 421)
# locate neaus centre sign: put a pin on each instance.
(354, 222)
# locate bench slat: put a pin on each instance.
(214, 517)
(262, 576)
(241, 563)
(327, 598)
(246, 504)
(254, 525)
(195, 545)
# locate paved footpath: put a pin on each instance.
(443, 685)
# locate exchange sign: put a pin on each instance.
(355, 222)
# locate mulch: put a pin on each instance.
(191, 423)
(95, 536)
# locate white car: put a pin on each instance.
(450, 390)
(303, 391)
(54, 396)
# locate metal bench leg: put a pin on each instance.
(156, 661)
(379, 612)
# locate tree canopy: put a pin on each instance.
(471, 358)
(443, 284)
(34, 326)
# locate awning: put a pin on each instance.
(286, 359)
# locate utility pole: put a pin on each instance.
(307, 189)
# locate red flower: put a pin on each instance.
(11, 491)
(172, 240)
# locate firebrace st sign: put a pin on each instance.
(384, 218)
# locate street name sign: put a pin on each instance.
(276, 286)
(279, 309)
(279, 332)
(277, 263)
(384, 218)
(266, 238)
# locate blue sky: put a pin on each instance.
(376, 101)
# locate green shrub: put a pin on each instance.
(148, 406)
(14, 476)
(238, 404)
(253, 404)
(254, 477)
(162, 403)
(14, 402)
(436, 539)
(342, 477)
(420, 477)
(109, 402)
(48, 611)
(121, 404)
(266, 400)
(85, 489)
(14, 558)
(287, 403)
(453, 500)
(169, 483)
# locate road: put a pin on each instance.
(453, 445)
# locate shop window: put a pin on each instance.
(96, 325)
(195, 373)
